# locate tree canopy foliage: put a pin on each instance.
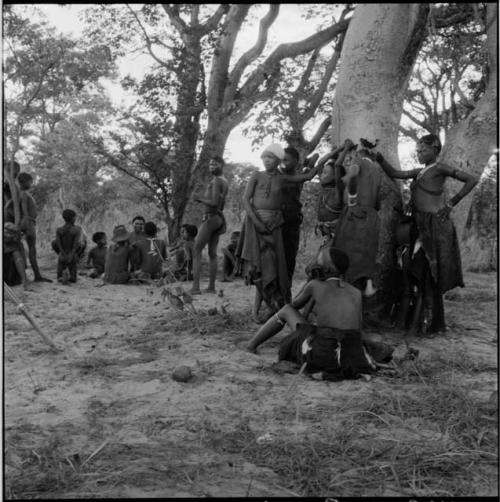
(201, 82)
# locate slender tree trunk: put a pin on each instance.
(378, 55)
(186, 129)
(471, 142)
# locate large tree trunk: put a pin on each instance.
(378, 55)
(470, 143)
(479, 249)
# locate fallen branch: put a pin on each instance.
(22, 309)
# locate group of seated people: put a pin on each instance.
(136, 256)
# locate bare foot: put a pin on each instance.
(42, 279)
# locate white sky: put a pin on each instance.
(288, 27)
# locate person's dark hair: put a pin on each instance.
(340, 260)
(431, 140)
(218, 159)
(191, 230)
(24, 177)
(236, 233)
(97, 236)
(68, 214)
(150, 229)
(139, 218)
(293, 152)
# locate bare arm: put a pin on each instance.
(303, 297)
(300, 178)
(90, 258)
(395, 173)
(469, 181)
(23, 196)
(59, 244)
(322, 161)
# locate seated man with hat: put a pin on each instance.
(116, 270)
(260, 246)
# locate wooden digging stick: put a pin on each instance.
(21, 308)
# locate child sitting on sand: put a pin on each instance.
(183, 252)
(116, 269)
(68, 246)
(97, 255)
(230, 265)
(150, 253)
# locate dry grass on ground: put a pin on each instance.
(104, 418)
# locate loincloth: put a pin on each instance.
(439, 241)
(263, 257)
(348, 355)
(357, 234)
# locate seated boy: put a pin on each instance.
(116, 268)
(14, 257)
(337, 307)
(230, 264)
(336, 304)
(67, 246)
(97, 255)
(184, 253)
(151, 254)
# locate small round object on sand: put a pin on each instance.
(182, 374)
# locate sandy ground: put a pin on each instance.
(104, 418)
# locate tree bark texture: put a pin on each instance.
(471, 142)
(479, 245)
(378, 55)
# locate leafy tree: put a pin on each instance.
(304, 95)
(450, 72)
(43, 74)
(208, 88)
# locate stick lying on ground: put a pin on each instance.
(22, 309)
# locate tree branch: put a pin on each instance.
(195, 11)
(444, 21)
(222, 55)
(112, 160)
(411, 133)
(172, 12)
(252, 53)
(146, 38)
(290, 50)
(320, 132)
(320, 92)
(214, 20)
(421, 123)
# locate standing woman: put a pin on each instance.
(435, 235)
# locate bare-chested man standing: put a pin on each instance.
(214, 224)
